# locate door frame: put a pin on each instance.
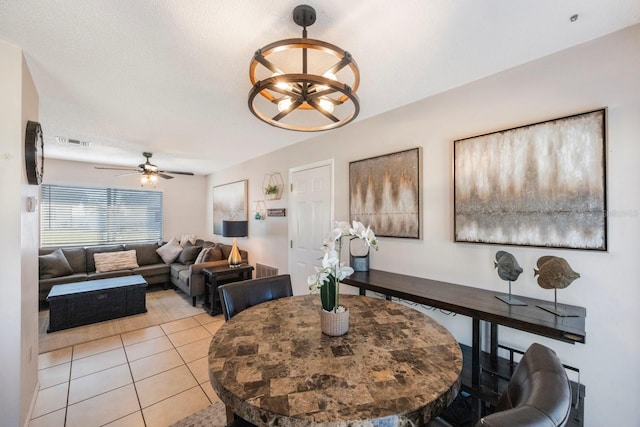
(321, 163)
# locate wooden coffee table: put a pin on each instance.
(81, 303)
(216, 276)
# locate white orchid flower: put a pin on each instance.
(341, 228)
(357, 229)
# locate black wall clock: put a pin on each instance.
(34, 153)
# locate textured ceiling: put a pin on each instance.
(171, 77)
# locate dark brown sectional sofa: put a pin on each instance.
(79, 265)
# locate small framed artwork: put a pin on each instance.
(229, 202)
(542, 184)
(384, 193)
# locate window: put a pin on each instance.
(79, 216)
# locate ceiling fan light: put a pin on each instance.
(153, 178)
(144, 179)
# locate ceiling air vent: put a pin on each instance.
(68, 141)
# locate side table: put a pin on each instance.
(216, 276)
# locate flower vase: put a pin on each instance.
(359, 260)
(334, 324)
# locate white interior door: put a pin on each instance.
(311, 213)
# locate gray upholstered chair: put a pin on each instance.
(538, 393)
(239, 296)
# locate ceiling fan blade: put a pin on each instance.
(116, 169)
(128, 173)
(178, 173)
(165, 176)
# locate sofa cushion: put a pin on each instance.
(184, 276)
(170, 251)
(226, 250)
(92, 250)
(176, 268)
(153, 270)
(189, 254)
(214, 254)
(145, 253)
(112, 261)
(109, 274)
(54, 264)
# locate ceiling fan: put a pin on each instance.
(148, 171)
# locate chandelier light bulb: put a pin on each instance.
(326, 105)
(284, 104)
(282, 85)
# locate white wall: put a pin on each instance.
(19, 229)
(183, 196)
(601, 73)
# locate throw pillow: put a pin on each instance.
(201, 256)
(112, 261)
(214, 254)
(54, 264)
(189, 254)
(170, 251)
(191, 238)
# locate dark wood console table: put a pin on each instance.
(480, 305)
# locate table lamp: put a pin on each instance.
(234, 229)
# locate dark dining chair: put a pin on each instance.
(538, 393)
(239, 296)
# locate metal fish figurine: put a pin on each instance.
(554, 272)
(508, 267)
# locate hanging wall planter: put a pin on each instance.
(272, 186)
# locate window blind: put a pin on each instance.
(82, 216)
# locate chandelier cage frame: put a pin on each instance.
(304, 91)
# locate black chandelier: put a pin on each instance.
(319, 96)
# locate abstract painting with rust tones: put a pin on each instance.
(536, 185)
(384, 193)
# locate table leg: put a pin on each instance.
(494, 345)
(363, 291)
(475, 354)
(230, 415)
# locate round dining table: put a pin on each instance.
(271, 365)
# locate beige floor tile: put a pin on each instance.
(195, 350)
(98, 362)
(54, 375)
(98, 346)
(100, 382)
(175, 408)
(133, 420)
(50, 399)
(189, 335)
(214, 326)
(209, 391)
(179, 325)
(155, 364)
(103, 408)
(162, 386)
(54, 419)
(205, 318)
(140, 335)
(147, 348)
(52, 358)
(200, 369)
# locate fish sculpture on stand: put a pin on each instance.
(554, 273)
(510, 270)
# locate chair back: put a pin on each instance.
(239, 296)
(538, 393)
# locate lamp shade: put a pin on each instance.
(235, 228)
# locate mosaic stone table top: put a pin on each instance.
(272, 365)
